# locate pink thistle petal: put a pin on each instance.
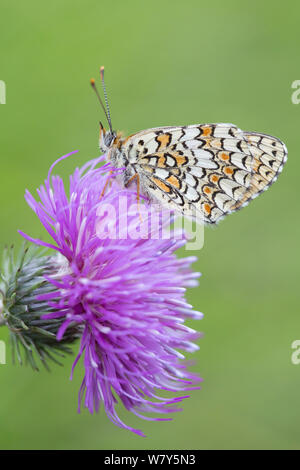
(126, 293)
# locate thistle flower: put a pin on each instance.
(21, 281)
(125, 291)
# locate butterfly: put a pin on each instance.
(202, 171)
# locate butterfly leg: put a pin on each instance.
(136, 176)
(106, 184)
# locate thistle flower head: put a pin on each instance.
(21, 282)
(124, 286)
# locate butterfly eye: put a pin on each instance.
(108, 138)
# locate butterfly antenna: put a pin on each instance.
(105, 97)
(99, 99)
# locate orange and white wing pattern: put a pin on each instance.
(207, 169)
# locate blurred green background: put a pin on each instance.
(167, 63)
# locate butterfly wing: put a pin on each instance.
(269, 157)
(206, 170)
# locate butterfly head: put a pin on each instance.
(106, 139)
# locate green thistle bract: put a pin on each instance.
(22, 280)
